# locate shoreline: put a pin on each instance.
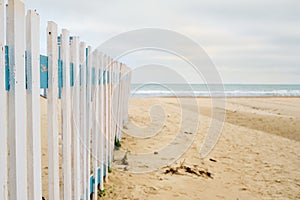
(226, 97)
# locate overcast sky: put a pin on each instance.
(254, 41)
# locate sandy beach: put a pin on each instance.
(256, 157)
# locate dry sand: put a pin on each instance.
(257, 156)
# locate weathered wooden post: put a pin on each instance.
(66, 115)
(83, 116)
(106, 116)
(15, 36)
(95, 130)
(89, 116)
(53, 161)
(3, 110)
(76, 117)
(101, 117)
(110, 147)
(33, 105)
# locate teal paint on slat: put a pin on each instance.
(26, 69)
(92, 182)
(60, 78)
(104, 169)
(7, 86)
(86, 66)
(60, 82)
(104, 76)
(71, 74)
(60, 74)
(99, 77)
(99, 170)
(107, 76)
(93, 75)
(70, 39)
(87, 74)
(58, 40)
(43, 71)
(80, 75)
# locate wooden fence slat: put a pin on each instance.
(53, 161)
(128, 94)
(95, 125)
(125, 94)
(76, 117)
(3, 109)
(15, 36)
(89, 118)
(101, 119)
(115, 107)
(83, 117)
(115, 98)
(66, 116)
(107, 115)
(110, 147)
(106, 118)
(99, 110)
(119, 101)
(33, 105)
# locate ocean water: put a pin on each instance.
(202, 90)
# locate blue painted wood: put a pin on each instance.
(71, 38)
(7, 86)
(60, 75)
(107, 76)
(60, 81)
(104, 169)
(86, 65)
(26, 67)
(60, 78)
(43, 71)
(99, 170)
(99, 76)
(92, 181)
(71, 74)
(93, 76)
(104, 77)
(80, 74)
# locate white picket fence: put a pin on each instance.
(94, 91)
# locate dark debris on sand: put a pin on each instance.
(184, 169)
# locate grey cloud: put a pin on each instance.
(240, 36)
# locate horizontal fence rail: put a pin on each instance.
(86, 88)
